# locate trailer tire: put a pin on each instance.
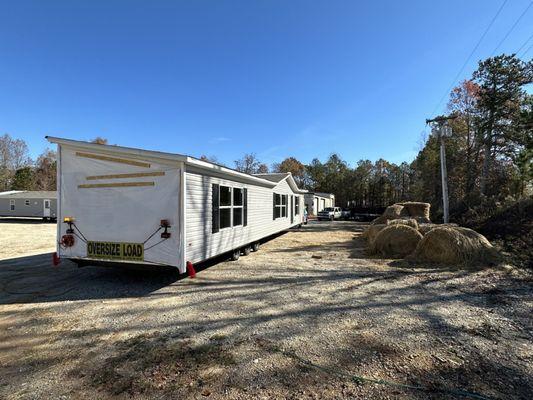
(246, 250)
(235, 255)
(255, 246)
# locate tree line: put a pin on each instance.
(19, 172)
(489, 153)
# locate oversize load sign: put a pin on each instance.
(116, 250)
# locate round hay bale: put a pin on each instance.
(404, 221)
(418, 210)
(393, 212)
(455, 245)
(382, 219)
(425, 228)
(371, 232)
(396, 241)
(404, 213)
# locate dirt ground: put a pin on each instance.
(307, 316)
(25, 236)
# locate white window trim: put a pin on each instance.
(230, 207)
(220, 208)
(281, 205)
(237, 206)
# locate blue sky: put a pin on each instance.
(224, 78)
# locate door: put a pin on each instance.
(46, 208)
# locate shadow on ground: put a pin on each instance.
(202, 337)
(34, 279)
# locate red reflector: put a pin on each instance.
(67, 240)
(55, 259)
(190, 270)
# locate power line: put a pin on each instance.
(470, 56)
(512, 28)
(524, 45)
(527, 51)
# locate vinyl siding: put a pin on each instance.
(314, 203)
(35, 209)
(202, 244)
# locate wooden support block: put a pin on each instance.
(118, 184)
(113, 159)
(121, 176)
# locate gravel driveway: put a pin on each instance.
(307, 316)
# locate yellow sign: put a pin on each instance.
(116, 251)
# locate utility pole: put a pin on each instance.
(443, 130)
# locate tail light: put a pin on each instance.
(70, 222)
(67, 240)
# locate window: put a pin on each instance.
(12, 205)
(237, 206)
(229, 207)
(280, 205)
(26, 202)
(277, 205)
(296, 205)
(225, 207)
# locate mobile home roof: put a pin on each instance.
(169, 157)
(27, 194)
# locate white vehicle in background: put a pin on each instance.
(330, 213)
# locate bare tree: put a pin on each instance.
(250, 164)
(211, 159)
(99, 140)
(46, 170)
(13, 156)
(262, 169)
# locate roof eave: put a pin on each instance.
(105, 148)
(207, 166)
(158, 155)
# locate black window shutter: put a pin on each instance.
(292, 209)
(215, 210)
(245, 207)
(274, 202)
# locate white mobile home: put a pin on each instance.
(24, 203)
(136, 206)
(316, 202)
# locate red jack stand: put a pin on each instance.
(55, 259)
(190, 270)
